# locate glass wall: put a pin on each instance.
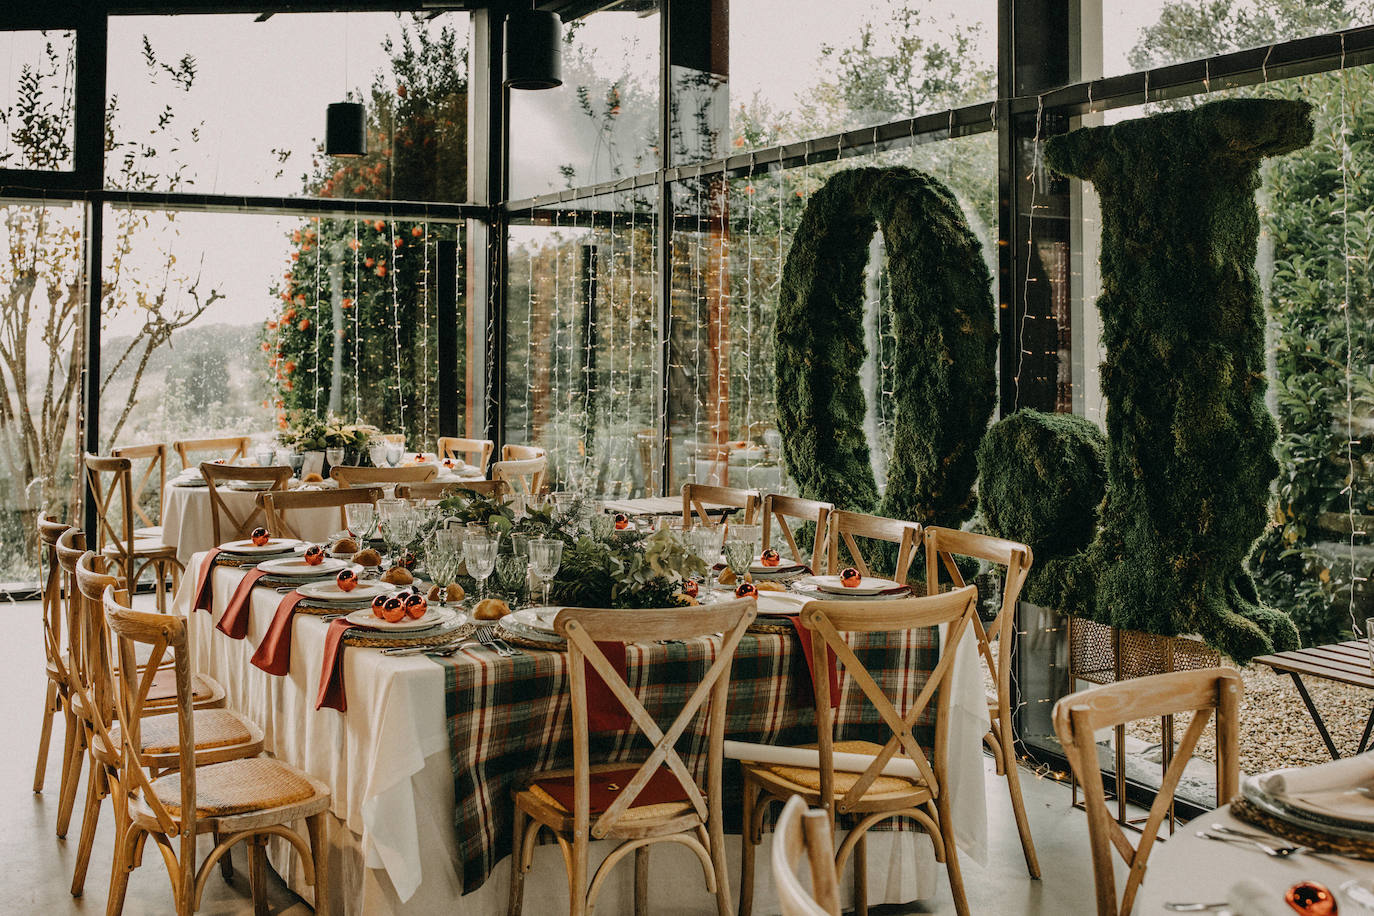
(36, 114)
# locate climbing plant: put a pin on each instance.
(943, 320)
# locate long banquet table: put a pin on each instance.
(406, 841)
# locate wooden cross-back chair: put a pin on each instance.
(54, 646)
(688, 817)
(248, 799)
(154, 474)
(276, 504)
(522, 452)
(223, 734)
(230, 448)
(805, 832)
(476, 452)
(349, 476)
(521, 475)
(227, 524)
(70, 543)
(109, 482)
(994, 644)
(847, 527)
(1078, 718)
(778, 509)
(871, 796)
(491, 489)
(696, 495)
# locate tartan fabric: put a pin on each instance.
(508, 718)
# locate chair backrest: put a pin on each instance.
(777, 509)
(70, 545)
(583, 628)
(95, 669)
(164, 634)
(696, 495)
(349, 476)
(942, 546)
(827, 620)
(491, 489)
(805, 832)
(521, 475)
(227, 524)
(1079, 716)
(153, 474)
(522, 452)
(50, 575)
(275, 505)
(476, 452)
(846, 527)
(230, 448)
(109, 482)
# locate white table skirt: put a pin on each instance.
(186, 520)
(386, 761)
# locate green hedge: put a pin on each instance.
(1190, 442)
(944, 321)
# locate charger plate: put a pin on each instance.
(456, 628)
(1319, 840)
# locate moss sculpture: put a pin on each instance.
(1190, 442)
(1041, 479)
(944, 323)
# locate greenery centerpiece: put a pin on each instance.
(310, 433)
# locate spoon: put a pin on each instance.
(1311, 898)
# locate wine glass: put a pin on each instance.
(512, 576)
(705, 541)
(388, 512)
(394, 451)
(297, 461)
(442, 562)
(361, 519)
(546, 555)
(479, 552)
(263, 456)
(742, 548)
(377, 454)
(334, 455)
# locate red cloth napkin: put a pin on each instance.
(331, 675)
(607, 785)
(805, 636)
(274, 653)
(207, 569)
(605, 712)
(234, 623)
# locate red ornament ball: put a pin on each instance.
(394, 610)
(622, 521)
(746, 590)
(259, 537)
(378, 603)
(690, 588)
(850, 577)
(771, 558)
(416, 605)
(347, 580)
(314, 555)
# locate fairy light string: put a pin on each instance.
(1030, 249)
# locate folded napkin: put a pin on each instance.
(605, 712)
(1342, 789)
(234, 623)
(274, 652)
(203, 577)
(331, 674)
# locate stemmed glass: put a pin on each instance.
(334, 455)
(441, 562)
(741, 548)
(705, 541)
(377, 454)
(361, 519)
(394, 451)
(297, 461)
(389, 512)
(479, 552)
(546, 555)
(264, 455)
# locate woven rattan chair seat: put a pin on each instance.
(237, 787)
(213, 728)
(808, 779)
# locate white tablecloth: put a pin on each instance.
(387, 762)
(186, 518)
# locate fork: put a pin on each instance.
(1278, 852)
(487, 637)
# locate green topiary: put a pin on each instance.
(1041, 478)
(1190, 442)
(944, 323)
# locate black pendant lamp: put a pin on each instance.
(345, 131)
(533, 54)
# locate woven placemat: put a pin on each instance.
(373, 639)
(771, 627)
(1322, 842)
(523, 643)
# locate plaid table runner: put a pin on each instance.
(509, 717)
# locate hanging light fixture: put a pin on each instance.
(345, 124)
(533, 57)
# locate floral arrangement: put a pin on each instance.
(309, 433)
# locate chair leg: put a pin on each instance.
(119, 871)
(642, 881)
(577, 878)
(257, 873)
(717, 849)
(517, 867)
(956, 878)
(96, 789)
(226, 861)
(45, 736)
(1018, 808)
(861, 876)
(747, 840)
(71, 775)
(318, 827)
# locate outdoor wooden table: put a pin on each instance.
(659, 505)
(1344, 663)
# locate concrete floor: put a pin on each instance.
(35, 866)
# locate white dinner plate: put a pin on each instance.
(273, 546)
(189, 482)
(868, 585)
(364, 617)
(538, 619)
(787, 565)
(329, 591)
(253, 486)
(295, 566)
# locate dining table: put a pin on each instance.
(1186, 868)
(422, 760)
